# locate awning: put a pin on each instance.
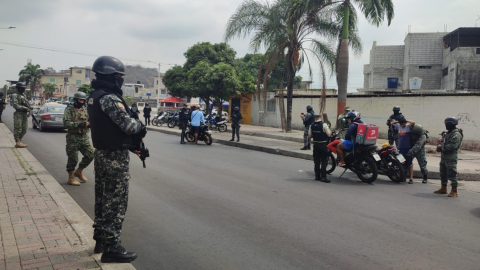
(172, 100)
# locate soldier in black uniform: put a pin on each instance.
(236, 118)
(2, 105)
(308, 120)
(320, 133)
(183, 117)
(392, 132)
(115, 130)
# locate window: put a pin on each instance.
(78, 81)
(157, 82)
(445, 72)
(156, 92)
(163, 92)
(79, 71)
(478, 51)
(53, 80)
(271, 104)
(136, 90)
(425, 67)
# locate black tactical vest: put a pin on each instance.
(105, 133)
(317, 132)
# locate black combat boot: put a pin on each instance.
(424, 179)
(98, 247)
(233, 139)
(325, 180)
(118, 255)
(304, 148)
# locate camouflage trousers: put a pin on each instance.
(448, 169)
(20, 125)
(75, 143)
(111, 195)
(306, 140)
(421, 157)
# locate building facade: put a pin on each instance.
(67, 81)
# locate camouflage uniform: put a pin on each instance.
(342, 126)
(20, 116)
(2, 106)
(448, 162)
(77, 137)
(112, 177)
(418, 151)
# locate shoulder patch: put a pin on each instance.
(90, 101)
(121, 106)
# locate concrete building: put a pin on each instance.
(67, 81)
(426, 62)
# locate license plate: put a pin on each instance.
(401, 158)
(58, 118)
(376, 157)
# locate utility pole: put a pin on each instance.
(158, 84)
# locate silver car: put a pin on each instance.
(49, 116)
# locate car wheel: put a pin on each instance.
(40, 127)
(33, 124)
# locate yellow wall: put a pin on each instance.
(72, 78)
(245, 108)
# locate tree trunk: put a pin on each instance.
(290, 71)
(342, 75)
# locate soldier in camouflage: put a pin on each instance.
(449, 145)
(342, 125)
(418, 139)
(20, 116)
(3, 102)
(75, 119)
(114, 128)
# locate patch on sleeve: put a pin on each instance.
(121, 106)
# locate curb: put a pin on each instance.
(80, 222)
(288, 153)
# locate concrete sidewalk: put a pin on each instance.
(274, 141)
(41, 226)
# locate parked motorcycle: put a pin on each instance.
(204, 134)
(391, 163)
(217, 122)
(155, 119)
(173, 120)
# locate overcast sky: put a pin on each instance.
(162, 30)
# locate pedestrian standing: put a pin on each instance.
(449, 145)
(183, 122)
(308, 120)
(392, 132)
(236, 119)
(320, 133)
(3, 103)
(418, 139)
(20, 116)
(404, 128)
(342, 124)
(135, 109)
(197, 118)
(146, 113)
(115, 129)
(75, 119)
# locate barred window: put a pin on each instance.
(271, 105)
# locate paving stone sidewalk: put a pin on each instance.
(41, 226)
(274, 141)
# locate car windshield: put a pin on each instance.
(55, 109)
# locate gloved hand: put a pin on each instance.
(82, 125)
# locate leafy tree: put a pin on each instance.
(31, 74)
(224, 83)
(375, 12)
(49, 89)
(175, 79)
(210, 53)
(85, 88)
(287, 29)
(199, 82)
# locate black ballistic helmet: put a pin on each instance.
(20, 85)
(352, 116)
(108, 65)
(401, 119)
(236, 108)
(309, 108)
(451, 121)
(396, 108)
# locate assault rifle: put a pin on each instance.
(444, 137)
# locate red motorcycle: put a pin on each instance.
(390, 163)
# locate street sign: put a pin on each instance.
(140, 97)
(149, 94)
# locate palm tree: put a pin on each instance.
(49, 89)
(31, 73)
(374, 11)
(288, 29)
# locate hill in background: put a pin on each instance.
(142, 74)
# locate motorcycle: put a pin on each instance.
(390, 163)
(161, 119)
(217, 122)
(203, 135)
(155, 119)
(361, 160)
(173, 120)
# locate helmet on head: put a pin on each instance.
(417, 130)
(236, 108)
(309, 108)
(396, 108)
(352, 116)
(80, 95)
(20, 85)
(347, 109)
(108, 65)
(401, 119)
(451, 121)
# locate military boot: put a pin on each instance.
(453, 193)
(26, 145)
(71, 179)
(425, 179)
(79, 173)
(98, 247)
(118, 255)
(19, 144)
(442, 190)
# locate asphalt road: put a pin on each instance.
(219, 207)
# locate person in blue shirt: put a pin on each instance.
(195, 119)
(352, 119)
(404, 128)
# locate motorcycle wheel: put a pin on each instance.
(222, 128)
(208, 139)
(331, 163)
(189, 137)
(396, 173)
(171, 124)
(369, 170)
(160, 123)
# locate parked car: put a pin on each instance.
(48, 116)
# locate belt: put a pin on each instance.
(319, 142)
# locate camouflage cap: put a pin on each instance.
(347, 109)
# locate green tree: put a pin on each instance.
(85, 88)
(375, 12)
(175, 79)
(49, 89)
(287, 29)
(199, 82)
(31, 74)
(224, 83)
